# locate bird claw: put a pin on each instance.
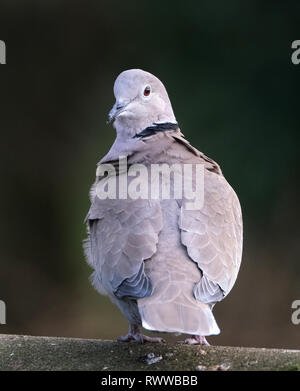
(126, 338)
(146, 338)
(141, 338)
(195, 340)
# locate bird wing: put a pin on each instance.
(122, 235)
(213, 238)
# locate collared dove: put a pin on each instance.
(165, 266)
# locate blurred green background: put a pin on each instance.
(235, 92)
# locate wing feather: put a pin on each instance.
(122, 235)
(213, 238)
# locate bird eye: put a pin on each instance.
(147, 91)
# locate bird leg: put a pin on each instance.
(196, 340)
(134, 334)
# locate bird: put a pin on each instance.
(163, 264)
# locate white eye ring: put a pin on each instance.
(146, 92)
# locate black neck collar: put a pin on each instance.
(156, 128)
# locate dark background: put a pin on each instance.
(235, 92)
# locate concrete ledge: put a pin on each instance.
(26, 353)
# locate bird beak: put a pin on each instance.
(115, 111)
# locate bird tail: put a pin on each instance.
(178, 318)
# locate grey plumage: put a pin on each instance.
(163, 265)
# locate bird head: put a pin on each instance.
(141, 101)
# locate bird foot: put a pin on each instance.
(141, 338)
(196, 340)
